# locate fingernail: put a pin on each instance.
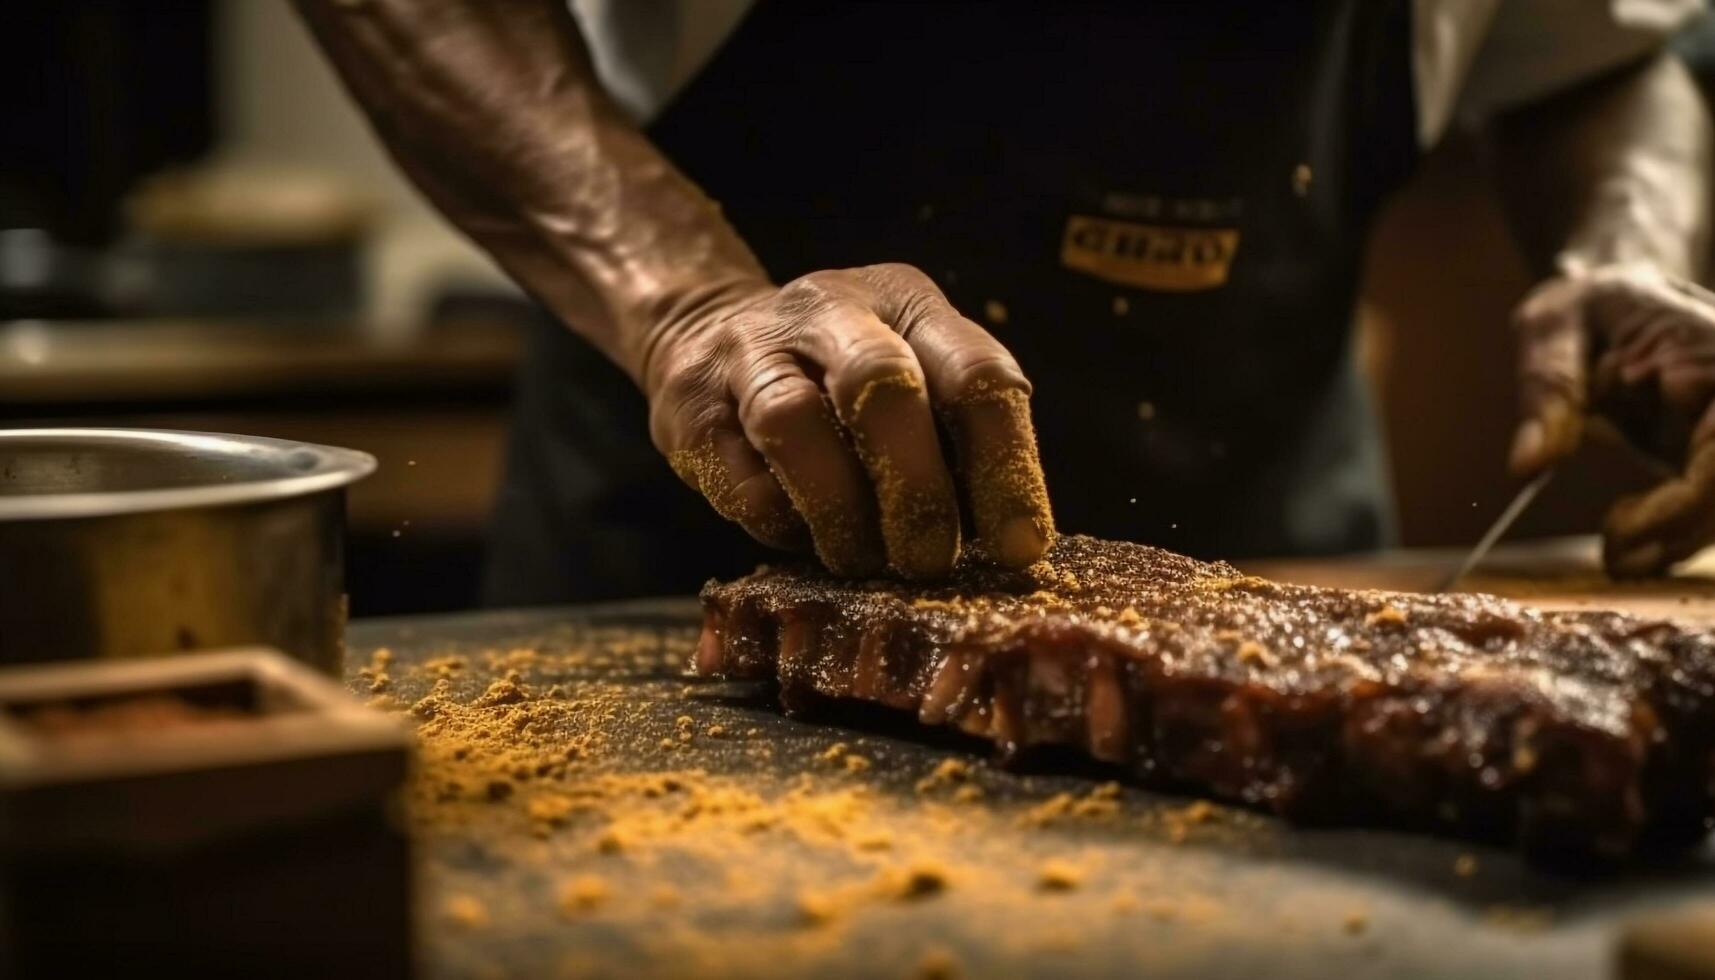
(1528, 446)
(1019, 542)
(928, 548)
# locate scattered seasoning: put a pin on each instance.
(939, 964)
(536, 765)
(947, 772)
(1058, 876)
(1465, 865)
(583, 894)
(1100, 803)
(1252, 652)
(995, 311)
(1385, 616)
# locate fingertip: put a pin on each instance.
(847, 543)
(785, 532)
(1562, 424)
(925, 563)
(1551, 434)
(1020, 541)
(1635, 561)
(1526, 457)
(852, 564)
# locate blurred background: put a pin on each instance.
(197, 231)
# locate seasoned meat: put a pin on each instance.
(1568, 732)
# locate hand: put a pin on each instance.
(1638, 348)
(807, 413)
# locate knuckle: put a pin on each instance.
(772, 409)
(680, 423)
(901, 274)
(689, 365)
(975, 370)
(871, 357)
(811, 293)
(874, 350)
(682, 380)
(1538, 316)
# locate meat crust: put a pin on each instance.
(1566, 732)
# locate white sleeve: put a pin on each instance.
(1472, 58)
(646, 50)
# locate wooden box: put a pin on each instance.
(228, 813)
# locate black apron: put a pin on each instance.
(1159, 208)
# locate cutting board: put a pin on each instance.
(1556, 573)
(756, 848)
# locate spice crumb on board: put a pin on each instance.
(815, 908)
(939, 964)
(583, 894)
(506, 690)
(1179, 822)
(1385, 616)
(542, 771)
(918, 880)
(1058, 876)
(1355, 923)
(1465, 865)
(1099, 803)
(878, 840)
(947, 772)
(375, 672)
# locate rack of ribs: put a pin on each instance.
(1568, 733)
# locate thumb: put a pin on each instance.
(1553, 377)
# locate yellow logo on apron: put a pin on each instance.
(1160, 257)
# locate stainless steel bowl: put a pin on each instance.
(137, 542)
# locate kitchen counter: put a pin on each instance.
(583, 808)
(432, 404)
(46, 364)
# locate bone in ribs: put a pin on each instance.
(1568, 732)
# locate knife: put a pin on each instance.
(1520, 501)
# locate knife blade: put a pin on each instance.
(1517, 506)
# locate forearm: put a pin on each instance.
(811, 407)
(1614, 172)
(495, 112)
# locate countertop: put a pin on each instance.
(583, 808)
(49, 363)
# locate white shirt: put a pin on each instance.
(1470, 57)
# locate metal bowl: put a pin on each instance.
(137, 542)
